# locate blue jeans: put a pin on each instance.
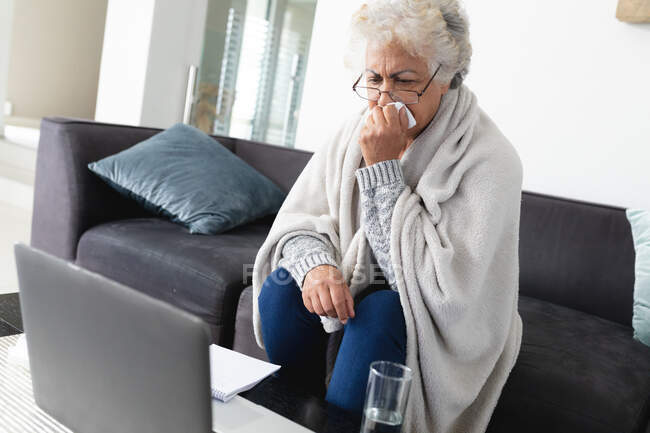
(294, 338)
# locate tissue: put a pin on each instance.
(399, 106)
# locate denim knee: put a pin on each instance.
(277, 288)
(293, 337)
(383, 303)
(377, 332)
(380, 315)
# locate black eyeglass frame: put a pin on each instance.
(420, 93)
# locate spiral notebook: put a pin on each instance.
(233, 372)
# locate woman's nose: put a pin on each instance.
(384, 98)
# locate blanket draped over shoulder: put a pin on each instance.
(454, 248)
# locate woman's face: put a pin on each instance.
(390, 67)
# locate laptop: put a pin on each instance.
(105, 357)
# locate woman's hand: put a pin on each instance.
(383, 136)
(325, 293)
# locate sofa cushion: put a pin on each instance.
(577, 254)
(244, 340)
(575, 372)
(203, 274)
(184, 174)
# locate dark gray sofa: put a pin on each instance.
(579, 369)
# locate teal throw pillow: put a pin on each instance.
(640, 223)
(189, 177)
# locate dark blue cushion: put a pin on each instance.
(189, 177)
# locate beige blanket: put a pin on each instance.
(454, 247)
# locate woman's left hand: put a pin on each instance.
(383, 136)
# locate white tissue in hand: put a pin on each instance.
(399, 105)
(409, 115)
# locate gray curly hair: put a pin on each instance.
(434, 30)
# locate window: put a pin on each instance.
(253, 68)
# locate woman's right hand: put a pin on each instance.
(325, 293)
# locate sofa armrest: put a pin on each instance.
(68, 197)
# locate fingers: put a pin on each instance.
(315, 301)
(349, 303)
(326, 301)
(370, 120)
(392, 115)
(338, 299)
(378, 115)
(328, 296)
(307, 301)
(334, 302)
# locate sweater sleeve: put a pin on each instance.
(380, 185)
(302, 253)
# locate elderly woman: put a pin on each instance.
(423, 184)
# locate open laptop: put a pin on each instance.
(105, 357)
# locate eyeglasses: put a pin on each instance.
(405, 96)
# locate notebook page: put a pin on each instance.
(232, 372)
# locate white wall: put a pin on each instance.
(148, 47)
(327, 94)
(569, 85)
(6, 20)
(125, 53)
(55, 53)
(566, 82)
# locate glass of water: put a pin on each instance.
(386, 396)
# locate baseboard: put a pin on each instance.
(17, 162)
(23, 131)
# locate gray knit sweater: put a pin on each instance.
(380, 185)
